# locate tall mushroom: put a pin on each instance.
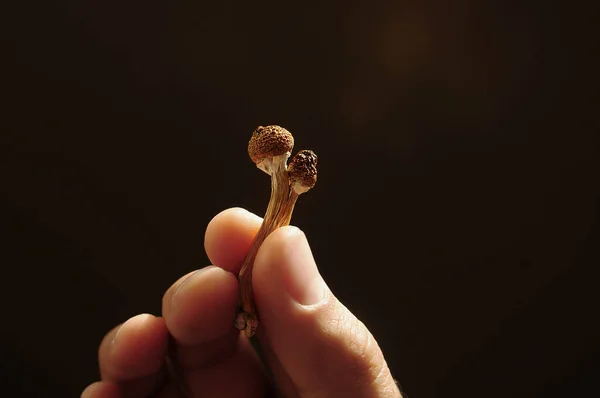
(270, 147)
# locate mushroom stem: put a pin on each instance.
(280, 194)
(287, 208)
(287, 183)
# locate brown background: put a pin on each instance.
(456, 211)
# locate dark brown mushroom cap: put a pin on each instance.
(269, 141)
(303, 168)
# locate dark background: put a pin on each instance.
(456, 211)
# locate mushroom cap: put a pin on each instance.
(268, 142)
(302, 169)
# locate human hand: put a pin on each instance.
(314, 345)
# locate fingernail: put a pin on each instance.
(189, 278)
(303, 280)
(91, 390)
(114, 339)
(133, 319)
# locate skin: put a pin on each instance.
(316, 347)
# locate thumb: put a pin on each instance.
(324, 349)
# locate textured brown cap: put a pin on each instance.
(269, 141)
(303, 168)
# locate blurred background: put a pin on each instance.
(456, 211)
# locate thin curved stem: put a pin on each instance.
(280, 189)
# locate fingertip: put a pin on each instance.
(136, 349)
(285, 267)
(101, 389)
(202, 307)
(273, 249)
(229, 236)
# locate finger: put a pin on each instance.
(229, 236)
(199, 310)
(102, 389)
(323, 348)
(133, 353)
(240, 375)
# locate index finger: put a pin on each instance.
(229, 236)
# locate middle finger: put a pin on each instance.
(199, 310)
